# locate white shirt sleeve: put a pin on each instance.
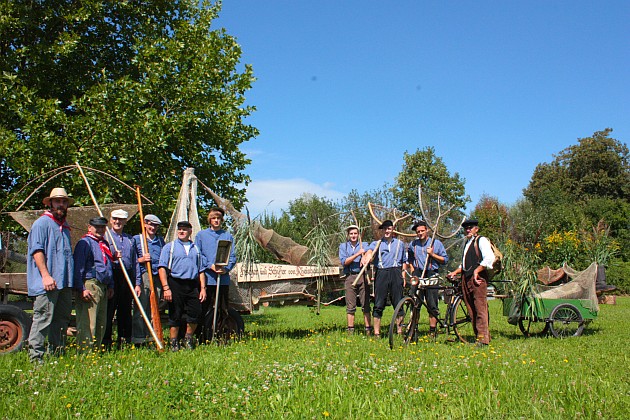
(487, 256)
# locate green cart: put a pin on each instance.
(563, 310)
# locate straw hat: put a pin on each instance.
(58, 192)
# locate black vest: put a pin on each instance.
(471, 259)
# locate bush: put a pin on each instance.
(618, 274)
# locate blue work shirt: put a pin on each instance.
(390, 254)
(417, 254)
(90, 263)
(346, 250)
(124, 243)
(155, 249)
(54, 241)
(207, 240)
(183, 266)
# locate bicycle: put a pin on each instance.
(403, 329)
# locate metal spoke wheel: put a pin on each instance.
(15, 326)
(532, 327)
(404, 326)
(462, 323)
(566, 321)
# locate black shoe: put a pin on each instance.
(350, 330)
(605, 288)
(189, 342)
(174, 345)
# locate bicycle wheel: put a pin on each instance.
(404, 326)
(461, 322)
(533, 328)
(566, 321)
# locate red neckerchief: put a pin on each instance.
(62, 224)
(102, 243)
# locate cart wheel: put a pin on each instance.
(462, 323)
(405, 317)
(566, 321)
(533, 328)
(15, 326)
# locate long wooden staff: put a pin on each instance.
(124, 270)
(155, 310)
(378, 244)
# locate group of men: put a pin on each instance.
(422, 258)
(99, 272)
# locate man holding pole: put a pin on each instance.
(155, 243)
(217, 275)
(122, 245)
(49, 275)
(425, 255)
(390, 256)
(94, 283)
(350, 253)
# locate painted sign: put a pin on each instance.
(274, 272)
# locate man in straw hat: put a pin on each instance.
(49, 275)
(391, 255)
(477, 257)
(350, 253)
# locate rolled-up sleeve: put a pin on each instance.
(487, 256)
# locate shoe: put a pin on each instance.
(369, 331)
(480, 344)
(350, 330)
(605, 288)
(189, 343)
(174, 345)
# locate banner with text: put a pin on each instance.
(274, 272)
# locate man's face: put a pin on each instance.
(118, 223)
(353, 235)
(388, 232)
(98, 231)
(183, 233)
(59, 208)
(422, 232)
(151, 228)
(471, 231)
(216, 219)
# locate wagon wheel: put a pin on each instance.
(15, 326)
(566, 321)
(532, 327)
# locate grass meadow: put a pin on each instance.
(293, 363)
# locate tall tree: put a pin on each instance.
(138, 89)
(426, 168)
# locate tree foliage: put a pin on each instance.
(141, 90)
(426, 168)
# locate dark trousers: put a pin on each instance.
(119, 305)
(476, 299)
(388, 282)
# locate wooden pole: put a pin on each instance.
(155, 310)
(124, 270)
(378, 244)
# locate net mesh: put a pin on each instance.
(580, 286)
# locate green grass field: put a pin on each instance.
(294, 363)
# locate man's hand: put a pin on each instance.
(167, 295)
(87, 296)
(49, 282)
(110, 293)
(218, 270)
(202, 295)
(145, 258)
(138, 290)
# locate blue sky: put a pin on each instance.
(345, 87)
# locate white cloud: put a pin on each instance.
(273, 195)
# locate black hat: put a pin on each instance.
(184, 224)
(419, 223)
(470, 222)
(386, 224)
(98, 221)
